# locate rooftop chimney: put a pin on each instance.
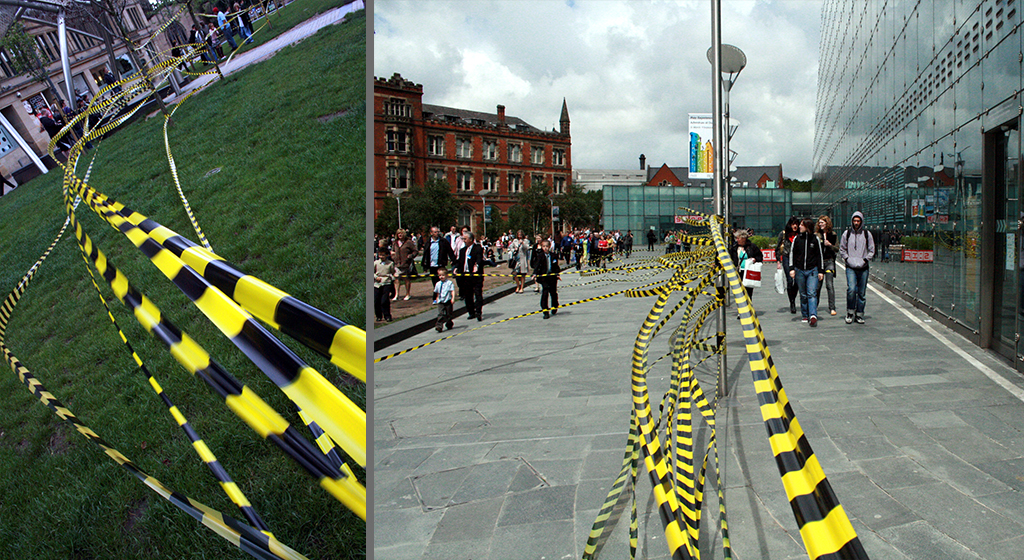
(643, 162)
(501, 115)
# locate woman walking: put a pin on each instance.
(384, 274)
(519, 251)
(743, 252)
(804, 266)
(405, 260)
(782, 249)
(829, 241)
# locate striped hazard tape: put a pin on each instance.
(677, 473)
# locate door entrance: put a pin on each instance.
(1007, 283)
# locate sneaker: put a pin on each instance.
(438, 328)
(547, 315)
(859, 319)
(804, 320)
(480, 317)
(814, 321)
(554, 311)
(450, 326)
(849, 318)
(832, 312)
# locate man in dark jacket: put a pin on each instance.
(651, 238)
(545, 272)
(436, 253)
(470, 268)
(805, 258)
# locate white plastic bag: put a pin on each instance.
(752, 274)
(780, 281)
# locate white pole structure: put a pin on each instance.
(11, 132)
(62, 38)
(719, 194)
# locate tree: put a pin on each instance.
(533, 209)
(577, 207)
(431, 204)
(109, 16)
(386, 221)
(796, 185)
(25, 57)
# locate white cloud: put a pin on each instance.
(629, 71)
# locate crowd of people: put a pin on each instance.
(459, 256)
(807, 251)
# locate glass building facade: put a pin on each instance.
(639, 208)
(918, 126)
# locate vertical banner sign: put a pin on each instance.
(702, 154)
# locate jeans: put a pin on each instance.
(829, 270)
(807, 282)
(856, 288)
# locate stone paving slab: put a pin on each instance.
(924, 451)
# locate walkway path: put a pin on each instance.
(502, 443)
(270, 48)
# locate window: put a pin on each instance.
(490, 181)
(464, 148)
(397, 141)
(515, 153)
(490, 150)
(464, 180)
(435, 145)
(436, 174)
(558, 157)
(559, 184)
(396, 107)
(538, 179)
(134, 15)
(537, 156)
(515, 183)
(398, 177)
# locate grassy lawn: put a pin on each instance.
(287, 205)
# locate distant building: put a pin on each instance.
(21, 96)
(472, 151)
(662, 199)
(596, 179)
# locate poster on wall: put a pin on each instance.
(942, 201)
(702, 154)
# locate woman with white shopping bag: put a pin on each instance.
(748, 260)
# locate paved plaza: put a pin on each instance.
(502, 443)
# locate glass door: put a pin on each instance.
(1008, 285)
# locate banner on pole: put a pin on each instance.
(702, 154)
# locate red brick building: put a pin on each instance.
(414, 142)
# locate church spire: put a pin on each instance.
(563, 122)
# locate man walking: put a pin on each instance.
(651, 238)
(437, 253)
(545, 272)
(857, 247)
(470, 266)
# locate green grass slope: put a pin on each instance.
(286, 206)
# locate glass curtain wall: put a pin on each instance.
(638, 208)
(917, 111)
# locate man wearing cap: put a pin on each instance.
(856, 248)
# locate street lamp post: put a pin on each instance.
(483, 197)
(730, 60)
(398, 192)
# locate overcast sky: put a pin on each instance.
(629, 71)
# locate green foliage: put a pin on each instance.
(796, 185)
(424, 206)
(578, 208)
(532, 212)
(919, 243)
(287, 206)
(23, 52)
(762, 241)
(386, 221)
